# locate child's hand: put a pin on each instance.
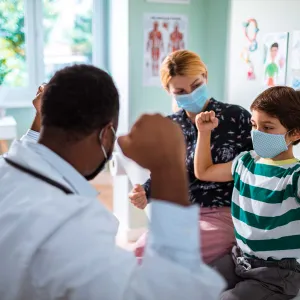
(206, 121)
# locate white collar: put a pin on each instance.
(42, 160)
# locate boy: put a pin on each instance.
(265, 200)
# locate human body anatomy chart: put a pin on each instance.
(163, 34)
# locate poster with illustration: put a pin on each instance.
(163, 34)
(250, 32)
(295, 61)
(275, 56)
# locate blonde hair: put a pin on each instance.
(182, 63)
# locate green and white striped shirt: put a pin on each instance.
(266, 206)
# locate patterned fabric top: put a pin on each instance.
(266, 206)
(229, 139)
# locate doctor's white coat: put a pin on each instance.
(58, 246)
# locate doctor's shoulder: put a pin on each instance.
(82, 208)
(53, 213)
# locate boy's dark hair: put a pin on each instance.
(79, 100)
(274, 45)
(283, 103)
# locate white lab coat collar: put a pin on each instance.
(42, 160)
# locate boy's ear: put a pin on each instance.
(295, 135)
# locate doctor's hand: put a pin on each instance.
(138, 197)
(157, 144)
(206, 121)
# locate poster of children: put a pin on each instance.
(295, 61)
(163, 34)
(275, 47)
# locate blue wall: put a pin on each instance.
(217, 29)
(24, 118)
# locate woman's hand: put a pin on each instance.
(138, 197)
(36, 125)
(206, 121)
(37, 100)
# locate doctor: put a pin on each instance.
(57, 241)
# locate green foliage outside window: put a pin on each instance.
(12, 41)
(13, 68)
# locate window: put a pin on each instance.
(39, 37)
(68, 35)
(13, 66)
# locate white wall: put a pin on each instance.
(130, 218)
(272, 16)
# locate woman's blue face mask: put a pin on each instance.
(195, 101)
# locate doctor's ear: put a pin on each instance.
(105, 134)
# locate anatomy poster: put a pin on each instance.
(163, 34)
(276, 48)
(295, 61)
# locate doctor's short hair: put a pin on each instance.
(182, 63)
(282, 103)
(79, 100)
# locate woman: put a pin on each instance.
(184, 76)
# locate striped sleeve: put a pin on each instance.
(236, 160)
(296, 185)
(31, 136)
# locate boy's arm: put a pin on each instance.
(204, 168)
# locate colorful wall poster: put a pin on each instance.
(250, 31)
(295, 60)
(275, 56)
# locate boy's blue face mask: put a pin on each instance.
(195, 101)
(267, 145)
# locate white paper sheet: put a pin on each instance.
(121, 165)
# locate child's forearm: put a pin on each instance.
(202, 159)
(204, 167)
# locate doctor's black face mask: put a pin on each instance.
(107, 157)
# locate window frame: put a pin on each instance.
(18, 97)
